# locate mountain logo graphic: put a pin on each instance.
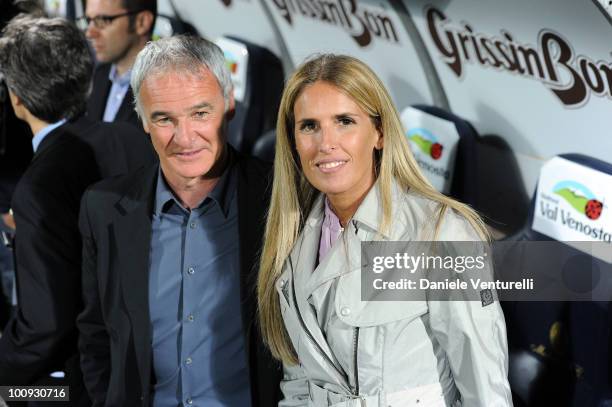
(426, 142)
(230, 61)
(580, 198)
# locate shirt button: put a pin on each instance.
(192, 225)
(190, 318)
(191, 270)
(188, 361)
(282, 283)
(345, 311)
(189, 401)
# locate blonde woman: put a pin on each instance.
(344, 174)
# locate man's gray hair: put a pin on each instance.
(46, 63)
(181, 52)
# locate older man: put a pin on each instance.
(117, 30)
(47, 67)
(170, 252)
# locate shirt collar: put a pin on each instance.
(330, 220)
(221, 194)
(122, 80)
(44, 132)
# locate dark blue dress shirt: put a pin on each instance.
(199, 354)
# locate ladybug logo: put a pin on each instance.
(230, 62)
(580, 198)
(426, 142)
(593, 209)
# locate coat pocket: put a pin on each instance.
(429, 395)
(353, 311)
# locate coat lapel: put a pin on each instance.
(101, 87)
(131, 232)
(303, 275)
(126, 112)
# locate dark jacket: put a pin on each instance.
(115, 341)
(15, 149)
(42, 337)
(99, 93)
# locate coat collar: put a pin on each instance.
(368, 214)
(49, 140)
(142, 193)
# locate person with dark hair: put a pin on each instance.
(47, 68)
(117, 30)
(15, 155)
(169, 252)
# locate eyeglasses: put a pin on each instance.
(102, 21)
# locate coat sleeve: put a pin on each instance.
(474, 339)
(94, 342)
(41, 335)
(473, 335)
(294, 387)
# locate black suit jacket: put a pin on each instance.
(42, 337)
(99, 93)
(115, 340)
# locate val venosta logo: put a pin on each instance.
(580, 198)
(230, 61)
(426, 142)
(554, 207)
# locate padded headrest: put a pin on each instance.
(166, 26)
(571, 200)
(444, 146)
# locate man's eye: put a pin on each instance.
(200, 114)
(163, 120)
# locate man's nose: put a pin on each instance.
(91, 31)
(183, 134)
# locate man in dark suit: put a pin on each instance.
(171, 252)
(15, 155)
(117, 30)
(47, 67)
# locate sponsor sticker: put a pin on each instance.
(433, 142)
(236, 59)
(572, 204)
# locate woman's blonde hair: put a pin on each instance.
(293, 196)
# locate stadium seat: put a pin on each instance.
(444, 145)
(265, 146)
(575, 336)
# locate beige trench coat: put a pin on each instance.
(385, 354)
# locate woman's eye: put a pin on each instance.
(308, 127)
(345, 121)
